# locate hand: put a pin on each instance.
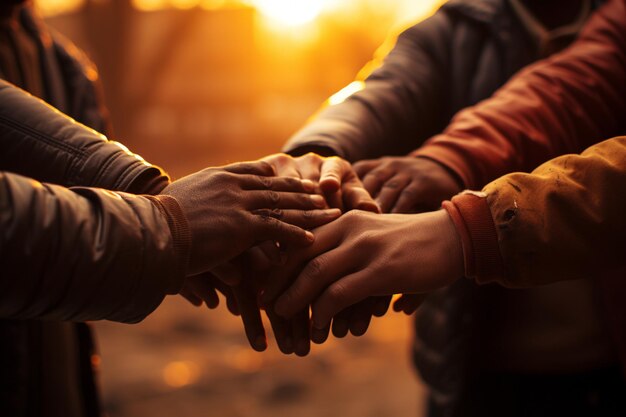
(232, 208)
(342, 189)
(407, 184)
(241, 300)
(362, 255)
(337, 180)
(408, 303)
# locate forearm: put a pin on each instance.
(398, 105)
(85, 253)
(558, 106)
(563, 221)
(40, 142)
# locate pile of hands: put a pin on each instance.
(317, 243)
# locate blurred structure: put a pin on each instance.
(196, 82)
(192, 83)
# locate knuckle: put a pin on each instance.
(313, 269)
(265, 167)
(273, 197)
(410, 192)
(277, 213)
(266, 182)
(337, 291)
(282, 159)
(393, 184)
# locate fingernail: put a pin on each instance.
(318, 200)
(308, 185)
(310, 236)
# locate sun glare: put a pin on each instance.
(289, 12)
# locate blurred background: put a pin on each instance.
(193, 83)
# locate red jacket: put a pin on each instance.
(566, 219)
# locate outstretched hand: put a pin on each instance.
(232, 208)
(362, 255)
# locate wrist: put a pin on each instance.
(451, 245)
(179, 230)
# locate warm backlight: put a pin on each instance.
(290, 12)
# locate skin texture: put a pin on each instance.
(361, 255)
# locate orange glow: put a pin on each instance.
(347, 91)
(179, 374)
(52, 7)
(290, 12)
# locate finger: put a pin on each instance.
(204, 289)
(264, 255)
(288, 184)
(318, 273)
(361, 168)
(341, 323)
(335, 200)
(332, 173)
(374, 180)
(390, 192)
(283, 332)
(269, 228)
(338, 296)
(382, 305)
(361, 316)
(300, 327)
(252, 168)
(284, 165)
(227, 292)
(319, 336)
(307, 219)
(283, 200)
(309, 166)
(251, 317)
(411, 197)
(190, 296)
(327, 238)
(357, 198)
(408, 303)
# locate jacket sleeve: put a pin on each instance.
(403, 99)
(87, 253)
(565, 220)
(558, 106)
(38, 141)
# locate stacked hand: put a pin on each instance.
(251, 241)
(361, 256)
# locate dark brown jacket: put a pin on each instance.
(60, 249)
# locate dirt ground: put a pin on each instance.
(191, 362)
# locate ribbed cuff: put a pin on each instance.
(481, 251)
(179, 227)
